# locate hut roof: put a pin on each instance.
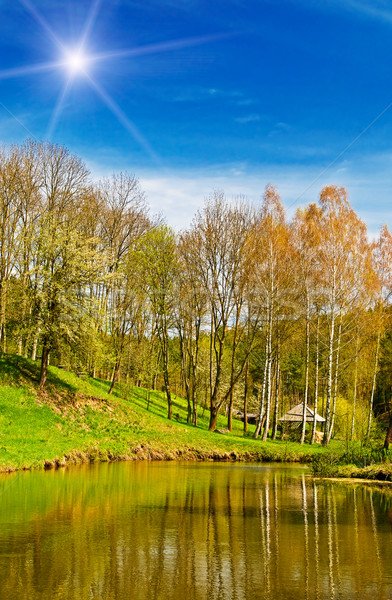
(296, 414)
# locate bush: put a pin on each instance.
(330, 463)
(326, 464)
(365, 455)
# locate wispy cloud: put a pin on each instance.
(180, 193)
(207, 94)
(377, 9)
(247, 102)
(280, 128)
(248, 118)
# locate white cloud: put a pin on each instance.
(177, 195)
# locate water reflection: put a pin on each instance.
(204, 531)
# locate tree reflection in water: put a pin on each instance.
(194, 531)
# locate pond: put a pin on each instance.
(192, 531)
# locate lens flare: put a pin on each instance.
(76, 62)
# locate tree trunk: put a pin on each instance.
(214, 411)
(336, 378)
(246, 390)
(3, 335)
(269, 369)
(185, 369)
(230, 412)
(355, 390)
(316, 382)
(276, 408)
(164, 340)
(260, 420)
(35, 344)
(169, 404)
(231, 396)
(44, 365)
(167, 389)
(373, 387)
(116, 372)
(388, 437)
(194, 407)
(307, 361)
(327, 423)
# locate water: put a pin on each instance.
(192, 531)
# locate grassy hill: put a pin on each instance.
(75, 420)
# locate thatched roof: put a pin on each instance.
(296, 414)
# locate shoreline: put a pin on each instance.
(146, 453)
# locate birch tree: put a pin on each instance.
(271, 260)
(341, 258)
(306, 240)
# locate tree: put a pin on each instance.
(342, 255)
(159, 269)
(190, 317)
(272, 275)
(306, 239)
(220, 235)
(9, 221)
(382, 264)
(61, 251)
(124, 220)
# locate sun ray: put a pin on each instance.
(44, 24)
(159, 47)
(29, 70)
(58, 109)
(123, 119)
(76, 60)
(89, 23)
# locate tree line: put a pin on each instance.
(244, 311)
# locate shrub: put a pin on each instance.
(326, 464)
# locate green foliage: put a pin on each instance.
(363, 455)
(338, 463)
(89, 280)
(326, 464)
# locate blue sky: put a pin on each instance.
(193, 96)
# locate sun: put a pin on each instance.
(76, 62)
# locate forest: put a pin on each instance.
(245, 311)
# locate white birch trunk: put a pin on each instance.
(268, 385)
(307, 360)
(316, 382)
(373, 386)
(355, 390)
(335, 392)
(330, 368)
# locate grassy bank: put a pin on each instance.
(75, 420)
(355, 462)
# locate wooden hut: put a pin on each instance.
(250, 417)
(294, 418)
(295, 415)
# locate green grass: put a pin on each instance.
(76, 421)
